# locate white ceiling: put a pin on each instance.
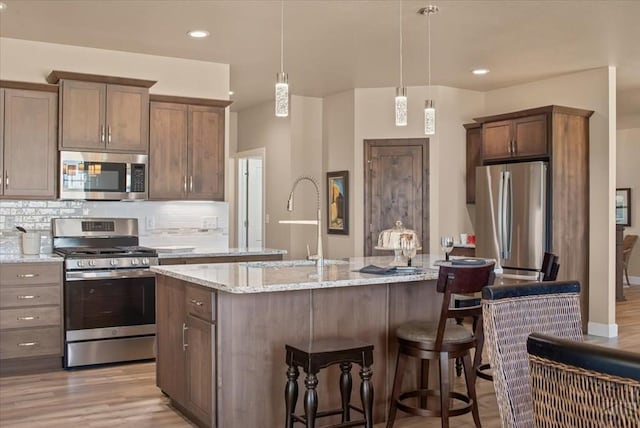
(335, 45)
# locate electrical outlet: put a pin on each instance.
(266, 218)
(210, 222)
(150, 222)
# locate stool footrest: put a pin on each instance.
(432, 393)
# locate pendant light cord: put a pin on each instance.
(401, 83)
(429, 49)
(282, 36)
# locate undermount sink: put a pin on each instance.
(294, 263)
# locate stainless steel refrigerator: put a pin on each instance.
(512, 215)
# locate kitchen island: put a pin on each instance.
(222, 330)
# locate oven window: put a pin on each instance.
(94, 176)
(109, 303)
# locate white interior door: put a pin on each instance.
(250, 200)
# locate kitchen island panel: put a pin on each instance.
(252, 332)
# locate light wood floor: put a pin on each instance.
(126, 395)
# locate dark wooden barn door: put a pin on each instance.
(396, 188)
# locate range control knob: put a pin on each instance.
(114, 262)
(134, 262)
(80, 263)
(145, 261)
(92, 262)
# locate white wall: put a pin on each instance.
(338, 155)
(258, 127)
(587, 90)
(31, 61)
(374, 118)
(628, 175)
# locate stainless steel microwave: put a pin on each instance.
(103, 176)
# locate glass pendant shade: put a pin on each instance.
(282, 94)
(429, 118)
(401, 106)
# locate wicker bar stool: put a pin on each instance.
(318, 355)
(441, 341)
(510, 314)
(582, 385)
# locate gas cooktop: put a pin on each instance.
(120, 251)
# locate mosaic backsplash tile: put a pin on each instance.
(159, 223)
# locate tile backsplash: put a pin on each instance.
(159, 223)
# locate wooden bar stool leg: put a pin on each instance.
(366, 395)
(291, 394)
(311, 399)
(395, 391)
(424, 381)
(470, 378)
(444, 388)
(345, 390)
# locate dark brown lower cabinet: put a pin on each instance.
(185, 364)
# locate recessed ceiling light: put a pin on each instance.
(198, 34)
(231, 93)
(480, 71)
(3, 6)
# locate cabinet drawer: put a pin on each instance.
(200, 302)
(29, 317)
(31, 342)
(30, 273)
(15, 297)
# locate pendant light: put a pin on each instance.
(282, 79)
(401, 91)
(429, 110)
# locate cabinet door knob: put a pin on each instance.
(28, 318)
(102, 133)
(191, 183)
(6, 179)
(184, 183)
(109, 135)
(27, 297)
(27, 343)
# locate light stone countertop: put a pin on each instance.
(215, 252)
(27, 258)
(287, 275)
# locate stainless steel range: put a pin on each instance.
(109, 291)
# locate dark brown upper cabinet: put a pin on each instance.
(474, 158)
(186, 152)
(102, 113)
(524, 137)
(28, 125)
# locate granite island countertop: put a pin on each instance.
(173, 252)
(287, 275)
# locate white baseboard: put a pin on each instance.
(602, 330)
(633, 280)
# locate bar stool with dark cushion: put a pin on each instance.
(320, 354)
(441, 341)
(548, 272)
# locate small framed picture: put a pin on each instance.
(623, 206)
(338, 202)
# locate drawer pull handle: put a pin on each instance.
(27, 297)
(28, 344)
(27, 275)
(28, 318)
(184, 339)
(197, 302)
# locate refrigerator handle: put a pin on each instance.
(508, 238)
(501, 219)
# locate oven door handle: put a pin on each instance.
(109, 274)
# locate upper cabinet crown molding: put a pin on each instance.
(29, 86)
(189, 100)
(535, 111)
(56, 75)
